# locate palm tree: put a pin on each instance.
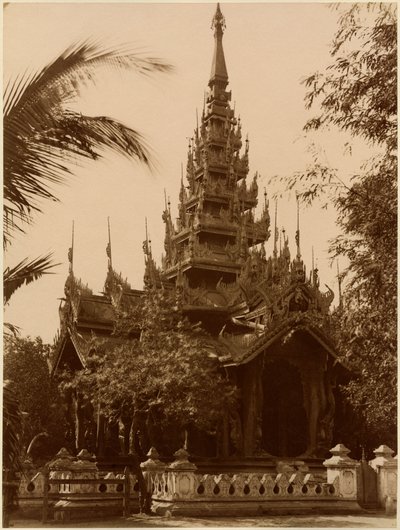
(41, 134)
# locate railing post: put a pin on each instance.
(181, 475)
(150, 468)
(386, 468)
(341, 466)
(127, 492)
(45, 493)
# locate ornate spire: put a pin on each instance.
(71, 251)
(108, 248)
(298, 254)
(276, 231)
(146, 243)
(218, 67)
(339, 278)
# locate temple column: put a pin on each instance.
(314, 404)
(252, 406)
(100, 437)
(79, 422)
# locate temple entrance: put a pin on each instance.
(284, 421)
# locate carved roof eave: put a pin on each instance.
(200, 263)
(265, 342)
(67, 335)
(205, 308)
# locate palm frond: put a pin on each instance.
(25, 273)
(85, 135)
(60, 80)
(34, 114)
(10, 330)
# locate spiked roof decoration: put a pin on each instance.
(218, 67)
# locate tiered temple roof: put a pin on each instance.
(215, 257)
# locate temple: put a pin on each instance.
(269, 317)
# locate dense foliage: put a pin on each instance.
(167, 381)
(25, 367)
(358, 93)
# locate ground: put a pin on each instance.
(371, 520)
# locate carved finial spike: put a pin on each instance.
(71, 250)
(298, 255)
(108, 248)
(312, 258)
(146, 242)
(276, 232)
(339, 278)
(218, 21)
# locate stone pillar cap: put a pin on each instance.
(340, 457)
(153, 461)
(62, 460)
(182, 460)
(84, 455)
(339, 449)
(64, 453)
(384, 450)
(153, 453)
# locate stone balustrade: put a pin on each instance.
(181, 489)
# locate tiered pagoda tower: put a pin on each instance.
(269, 322)
(216, 226)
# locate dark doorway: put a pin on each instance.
(284, 418)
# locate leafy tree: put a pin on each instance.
(26, 368)
(41, 134)
(12, 433)
(169, 377)
(358, 93)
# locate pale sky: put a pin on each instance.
(269, 48)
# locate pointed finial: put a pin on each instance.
(71, 251)
(276, 232)
(339, 278)
(265, 198)
(108, 248)
(146, 246)
(298, 255)
(165, 199)
(312, 258)
(218, 20)
(218, 67)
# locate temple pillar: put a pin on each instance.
(100, 436)
(252, 407)
(314, 404)
(79, 422)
